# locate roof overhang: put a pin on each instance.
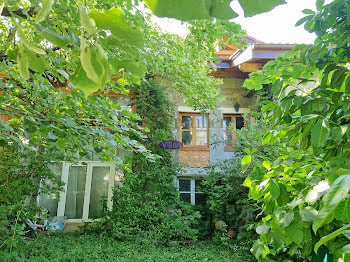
(248, 60)
(259, 53)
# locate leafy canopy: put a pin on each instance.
(304, 193)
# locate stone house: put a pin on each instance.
(209, 139)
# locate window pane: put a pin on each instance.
(184, 185)
(228, 139)
(186, 122)
(99, 191)
(201, 122)
(50, 202)
(187, 137)
(200, 199)
(227, 123)
(75, 192)
(186, 197)
(201, 138)
(239, 122)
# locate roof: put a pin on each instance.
(259, 53)
(253, 57)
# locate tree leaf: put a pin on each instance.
(134, 67)
(339, 132)
(258, 248)
(28, 44)
(85, 60)
(338, 77)
(274, 189)
(331, 236)
(308, 12)
(53, 37)
(338, 191)
(113, 20)
(222, 10)
(308, 214)
(335, 194)
(295, 232)
(320, 133)
(44, 11)
(253, 7)
(319, 4)
(80, 80)
(36, 63)
(87, 22)
(262, 229)
(345, 249)
(267, 164)
(340, 212)
(246, 160)
(286, 219)
(190, 10)
(2, 6)
(303, 20)
(278, 238)
(23, 63)
(347, 210)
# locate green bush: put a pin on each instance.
(147, 202)
(22, 178)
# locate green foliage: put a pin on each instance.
(252, 7)
(225, 200)
(88, 47)
(146, 203)
(23, 177)
(182, 64)
(47, 118)
(303, 192)
(75, 247)
(185, 10)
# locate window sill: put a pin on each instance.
(194, 148)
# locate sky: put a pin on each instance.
(276, 26)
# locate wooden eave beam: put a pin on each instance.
(250, 67)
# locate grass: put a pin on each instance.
(74, 247)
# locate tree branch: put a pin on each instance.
(20, 12)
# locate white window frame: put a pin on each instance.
(90, 165)
(192, 188)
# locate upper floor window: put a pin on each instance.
(230, 124)
(194, 129)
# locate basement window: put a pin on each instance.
(230, 124)
(190, 191)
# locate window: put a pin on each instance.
(190, 191)
(194, 130)
(231, 123)
(87, 192)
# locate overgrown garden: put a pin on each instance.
(55, 56)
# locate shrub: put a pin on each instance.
(146, 203)
(22, 179)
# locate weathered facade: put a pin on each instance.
(209, 139)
